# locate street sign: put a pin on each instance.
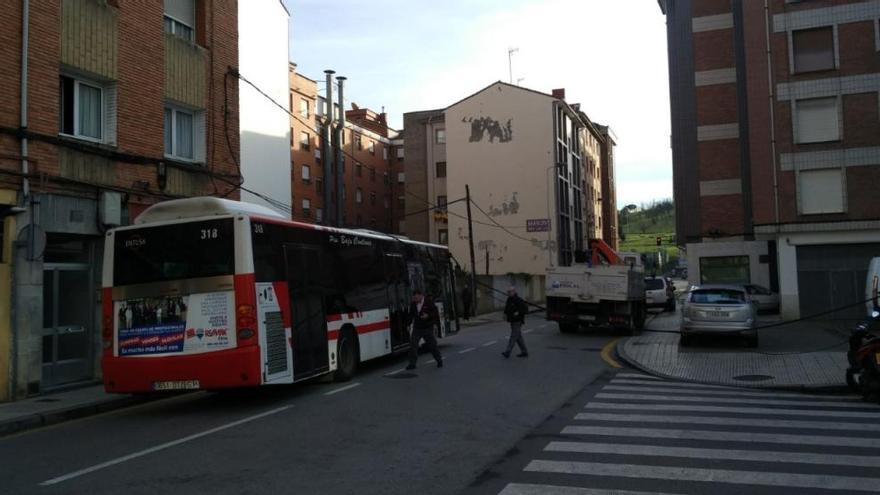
(538, 225)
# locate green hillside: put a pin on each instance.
(640, 228)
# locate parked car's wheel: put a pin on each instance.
(752, 341)
(567, 327)
(684, 340)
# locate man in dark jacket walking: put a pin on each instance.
(515, 310)
(424, 316)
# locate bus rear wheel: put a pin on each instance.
(347, 356)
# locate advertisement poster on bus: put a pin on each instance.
(175, 324)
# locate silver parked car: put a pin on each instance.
(719, 309)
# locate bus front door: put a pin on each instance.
(398, 300)
(308, 322)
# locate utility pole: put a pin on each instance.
(340, 154)
(329, 153)
(467, 190)
(510, 52)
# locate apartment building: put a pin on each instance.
(108, 107)
(776, 144)
(371, 169)
(533, 164)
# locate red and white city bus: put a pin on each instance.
(208, 293)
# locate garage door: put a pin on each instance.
(833, 276)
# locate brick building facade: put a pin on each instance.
(126, 104)
(371, 170)
(776, 146)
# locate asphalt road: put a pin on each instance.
(387, 431)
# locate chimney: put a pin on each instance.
(559, 93)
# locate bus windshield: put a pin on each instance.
(174, 252)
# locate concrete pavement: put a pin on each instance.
(800, 356)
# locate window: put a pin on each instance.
(440, 136)
(372, 148)
(304, 140)
(82, 109)
(319, 185)
(725, 270)
(386, 179)
(441, 203)
(443, 236)
(319, 215)
(373, 174)
(360, 142)
(817, 120)
(401, 202)
(373, 199)
(401, 177)
(306, 173)
(399, 154)
(358, 170)
(385, 152)
(813, 49)
(821, 191)
(180, 133)
(307, 206)
(304, 108)
(180, 18)
(358, 196)
(441, 170)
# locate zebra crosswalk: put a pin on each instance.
(641, 435)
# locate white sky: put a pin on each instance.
(610, 56)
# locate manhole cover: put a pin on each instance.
(48, 400)
(753, 378)
(403, 375)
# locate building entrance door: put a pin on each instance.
(67, 324)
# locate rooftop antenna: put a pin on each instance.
(519, 80)
(510, 52)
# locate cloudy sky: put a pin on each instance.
(409, 55)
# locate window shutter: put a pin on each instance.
(110, 114)
(199, 139)
(818, 120)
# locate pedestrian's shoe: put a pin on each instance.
(523, 354)
(411, 367)
(505, 354)
(440, 363)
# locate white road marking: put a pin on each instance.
(430, 361)
(708, 420)
(820, 481)
(737, 410)
(723, 454)
(491, 342)
(528, 330)
(157, 448)
(529, 489)
(739, 392)
(392, 373)
(723, 436)
(469, 349)
(342, 389)
(766, 402)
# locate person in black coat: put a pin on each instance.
(424, 317)
(515, 310)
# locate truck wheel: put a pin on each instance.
(567, 327)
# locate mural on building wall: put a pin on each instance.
(510, 207)
(487, 126)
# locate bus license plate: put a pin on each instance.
(718, 314)
(587, 317)
(177, 385)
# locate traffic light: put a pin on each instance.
(659, 240)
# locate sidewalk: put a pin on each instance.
(482, 319)
(783, 360)
(55, 408)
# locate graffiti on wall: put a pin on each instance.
(507, 207)
(481, 127)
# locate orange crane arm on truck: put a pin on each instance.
(603, 253)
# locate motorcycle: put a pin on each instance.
(863, 374)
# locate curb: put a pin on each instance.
(39, 420)
(831, 389)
